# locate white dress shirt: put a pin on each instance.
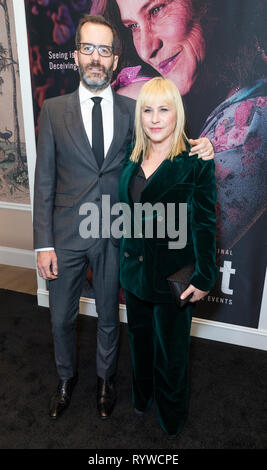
(107, 113)
(87, 104)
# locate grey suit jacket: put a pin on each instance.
(67, 174)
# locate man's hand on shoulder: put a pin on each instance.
(47, 264)
(203, 147)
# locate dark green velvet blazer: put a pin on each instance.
(147, 262)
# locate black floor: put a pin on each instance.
(228, 407)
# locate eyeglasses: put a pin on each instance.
(88, 49)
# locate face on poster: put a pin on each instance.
(215, 53)
(168, 37)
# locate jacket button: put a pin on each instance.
(126, 254)
(141, 259)
(100, 174)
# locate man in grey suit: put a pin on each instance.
(82, 142)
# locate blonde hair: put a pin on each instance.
(163, 91)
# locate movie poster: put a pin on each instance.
(216, 53)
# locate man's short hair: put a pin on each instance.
(98, 19)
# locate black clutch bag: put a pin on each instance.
(179, 282)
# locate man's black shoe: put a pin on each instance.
(61, 400)
(106, 396)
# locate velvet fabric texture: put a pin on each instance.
(159, 337)
(147, 262)
(159, 331)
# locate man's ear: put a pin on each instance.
(115, 63)
(76, 58)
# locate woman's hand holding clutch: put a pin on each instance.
(197, 293)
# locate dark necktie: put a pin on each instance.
(97, 131)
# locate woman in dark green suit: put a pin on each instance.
(170, 223)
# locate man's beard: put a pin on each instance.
(96, 83)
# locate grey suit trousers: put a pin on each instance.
(64, 295)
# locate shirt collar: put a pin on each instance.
(86, 94)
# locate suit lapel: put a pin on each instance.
(129, 172)
(121, 127)
(169, 173)
(74, 124)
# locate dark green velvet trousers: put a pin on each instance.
(159, 336)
